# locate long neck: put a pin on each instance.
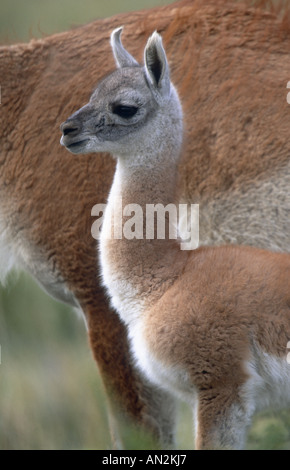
(137, 263)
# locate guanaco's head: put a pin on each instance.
(130, 108)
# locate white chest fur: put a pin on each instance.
(124, 293)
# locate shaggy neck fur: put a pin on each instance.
(138, 271)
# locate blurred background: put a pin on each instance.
(51, 396)
(21, 20)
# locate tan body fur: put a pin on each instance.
(231, 67)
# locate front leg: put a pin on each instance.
(222, 419)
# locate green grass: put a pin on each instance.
(51, 396)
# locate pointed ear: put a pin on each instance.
(122, 57)
(157, 68)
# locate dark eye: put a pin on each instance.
(125, 111)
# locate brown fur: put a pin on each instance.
(232, 296)
(230, 63)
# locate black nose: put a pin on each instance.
(70, 128)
